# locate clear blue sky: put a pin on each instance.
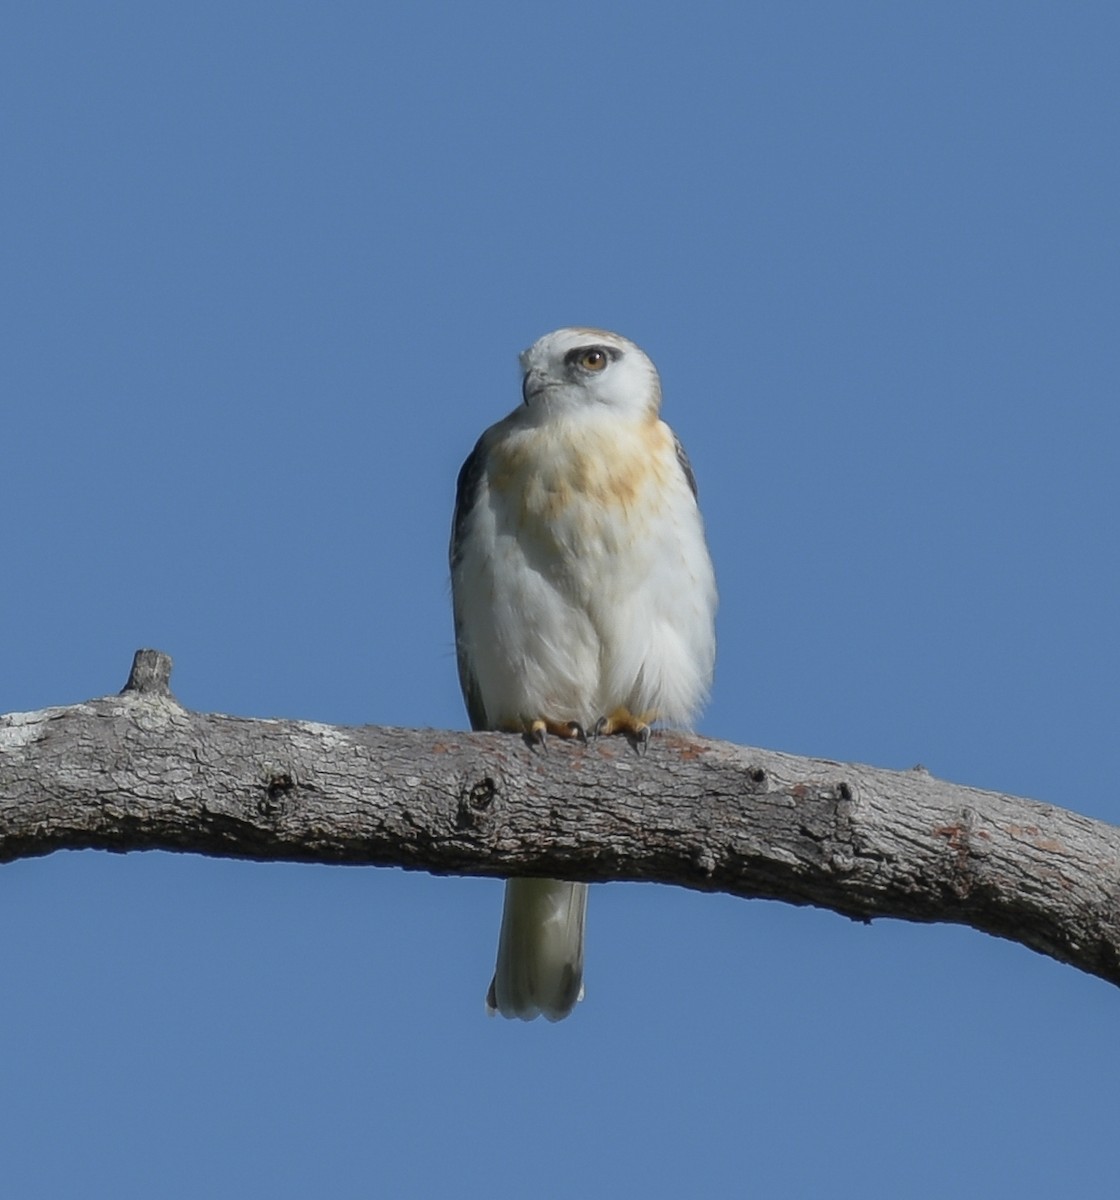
(266, 271)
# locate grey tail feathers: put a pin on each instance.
(540, 950)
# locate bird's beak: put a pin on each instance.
(532, 384)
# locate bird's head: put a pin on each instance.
(573, 369)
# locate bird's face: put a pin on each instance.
(574, 369)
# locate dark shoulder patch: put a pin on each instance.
(686, 466)
(466, 497)
(467, 491)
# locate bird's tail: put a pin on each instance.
(540, 950)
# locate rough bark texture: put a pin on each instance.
(139, 772)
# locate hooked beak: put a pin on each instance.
(532, 384)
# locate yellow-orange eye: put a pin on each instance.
(593, 360)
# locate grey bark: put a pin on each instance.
(138, 771)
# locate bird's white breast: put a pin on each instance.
(585, 584)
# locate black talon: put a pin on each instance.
(576, 730)
(598, 727)
(641, 740)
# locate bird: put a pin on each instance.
(584, 601)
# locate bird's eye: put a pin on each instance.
(593, 359)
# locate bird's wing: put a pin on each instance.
(467, 492)
(686, 466)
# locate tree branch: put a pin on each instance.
(139, 772)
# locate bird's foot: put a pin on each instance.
(636, 729)
(538, 731)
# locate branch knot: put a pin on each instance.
(475, 800)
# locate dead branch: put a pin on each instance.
(138, 771)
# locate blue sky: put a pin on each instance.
(267, 269)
